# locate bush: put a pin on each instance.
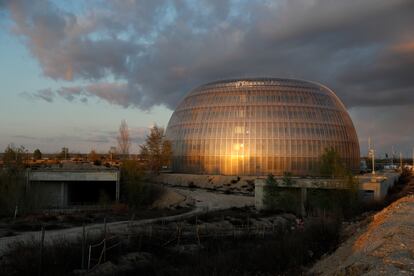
(12, 192)
(135, 191)
(284, 199)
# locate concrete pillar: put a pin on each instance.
(259, 193)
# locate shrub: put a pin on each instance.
(12, 192)
(135, 190)
(276, 198)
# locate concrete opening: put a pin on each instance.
(53, 188)
(91, 192)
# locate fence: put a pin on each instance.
(164, 233)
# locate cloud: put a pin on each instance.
(156, 51)
(114, 93)
(47, 95)
(388, 126)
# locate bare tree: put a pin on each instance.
(124, 142)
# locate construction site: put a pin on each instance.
(213, 230)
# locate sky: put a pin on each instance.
(70, 71)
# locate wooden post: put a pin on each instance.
(89, 257)
(198, 234)
(104, 241)
(83, 246)
(104, 250)
(42, 240)
(178, 234)
(15, 212)
(104, 232)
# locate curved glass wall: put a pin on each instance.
(260, 126)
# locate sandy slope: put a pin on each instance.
(384, 247)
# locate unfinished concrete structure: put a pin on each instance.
(297, 183)
(371, 187)
(60, 187)
(375, 187)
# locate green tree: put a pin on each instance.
(287, 179)
(37, 154)
(166, 153)
(270, 193)
(345, 201)
(157, 150)
(332, 165)
(11, 191)
(12, 180)
(134, 189)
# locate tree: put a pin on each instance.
(277, 198)
(94, 157)
(332, 165)
(134, 189)
(13, 157)
(64, 154)
(166, 153)
(37, 154)
(157, 150)
(287, 179)
(124, 142)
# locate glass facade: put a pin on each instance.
(260, 126)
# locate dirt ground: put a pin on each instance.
(384, 246)
(215, 200)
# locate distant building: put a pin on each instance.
(260, 126)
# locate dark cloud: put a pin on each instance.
(390, 127)
(144, 53)
(156, 51)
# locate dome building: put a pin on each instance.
(260, 126)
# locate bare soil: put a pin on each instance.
(378, 244)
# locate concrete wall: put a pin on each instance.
(73, 175)
(49, 194)
(238, 184)
(242, 184)
(379, 184)
(49, 188)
